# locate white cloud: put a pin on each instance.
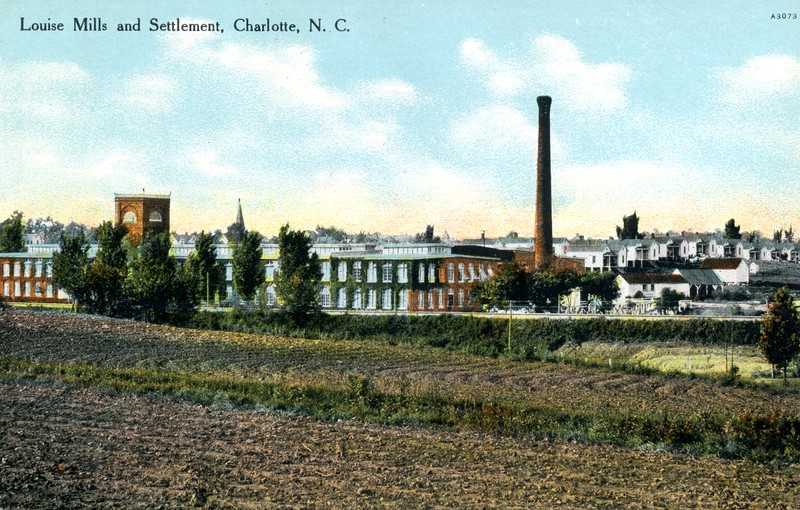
(149, 92)
(286, 72)
(206, 163)
(53, 91)
(578, 84)
(391, 91)
(502, 77)
(554, 66)
(761, 77)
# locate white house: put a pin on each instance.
(731, 270)
(650, 284)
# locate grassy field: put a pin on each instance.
(200, 416)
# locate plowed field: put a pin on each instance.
(75, 447)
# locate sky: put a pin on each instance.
(413, 113)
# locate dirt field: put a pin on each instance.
(75, 447)
(68, 448)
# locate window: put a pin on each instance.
(431, 273)
(27, 269)
(372, 272)
(50, 269)
(37, 289)
(402, 300)
(357, 270)
(49, 290)
(461, 298)
(269, 269)
(341, 273)
(472, 276)
(490, 270)
(326, 270)
(449, 298)
(421, 276)
(441, 298)
(462, 277)
(430, 299)
(325, 297)
(229, 273)
(371, 299)
(341, 300)
(481, 272)
(386, 302)
(421, 304)
(357, 299)
(6, 289)
(129, 217)
(271, 297)
(155, 217)
(17, 291)
(6, 269)
(387, 273)
(27, 288)
(17, 269)
(402, 272)
(451, 272)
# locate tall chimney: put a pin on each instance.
(543, 247)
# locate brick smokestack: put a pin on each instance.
(543, 248)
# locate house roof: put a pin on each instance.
(722, 263)
(652, 278)
(700, 276)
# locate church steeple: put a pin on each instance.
(239, 215)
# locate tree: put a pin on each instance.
(779, 341)
(511, 282)
(201, 271)
(153, 282)
(248, 269)
(69, 267)
(427, 237)
(331, 234)
(669, 299)
(297, 284)
(630, 227)
(732, 230)
(600, 285)
(12, 234)
(547, 287)
(105, 276)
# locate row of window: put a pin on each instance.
(37, 290)
(465, 272)
(130, 217)
(38, 268)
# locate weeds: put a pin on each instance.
(749, 435)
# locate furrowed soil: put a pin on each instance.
(69, 447)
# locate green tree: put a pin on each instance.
(70, 263)
(105, 276)
(12, 234)
(669, 299)
(201, 271)
(600, 285)
(779, 341)
(154, 284)
(297, 284)
(547, 287)
(630, 227)
(248, 268)
(427, 236)
(511, 282)
(732, 230)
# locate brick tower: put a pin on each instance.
(543, 236)
(142, 213)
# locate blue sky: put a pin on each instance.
(423, 113)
